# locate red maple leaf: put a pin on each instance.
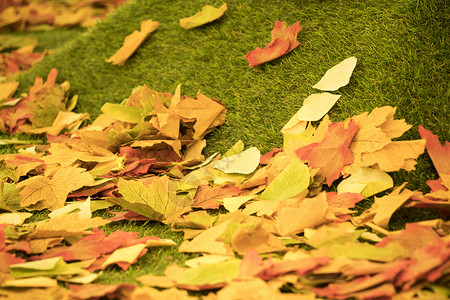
(333, 153)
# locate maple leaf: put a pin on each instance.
(158, 202)
(395, 156)
(206, 15)
(255, 237)
(19, 60)
(364, 286)
(88, 247)
(132, 42)
(65, 226)
(207, 197)
(207, 113)
(382, 209)
(41, 192)
(333, 153)
(440, 155)
(66, 156)
(408, 238)
(309, 213)
(283, 41)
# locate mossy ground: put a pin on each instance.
(402, 54)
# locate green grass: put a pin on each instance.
(402, 61)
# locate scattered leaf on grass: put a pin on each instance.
(283, 41)
(440, 155)
(132, 42)
(338, 76)
(207, 14)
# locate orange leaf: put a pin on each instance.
(440, 155)
(206, 196)
(395, 156)
(333, 153)
(132, 42)
(283, 41)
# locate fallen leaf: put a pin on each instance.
(292, 181)
(408, 238)
(309, 213)
(128, 255)
(207, 197)
(256, 288)
(97, 291)
(440, 155)
(169, 294)
(382, 209)
(206, 15)
(395, 156)
(338, 76)
(7, 89)
(132, 42)
(366, 181)
(244, 162)
(232, 204)
(283, 41)
(315, 106)
(158, 201)
(209, 274)
(206, 241)
(333, 153)
(45, 267)
(35, 282)
(65, 226)
(40, 192)
(255, 237)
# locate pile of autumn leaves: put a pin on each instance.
(145, 155)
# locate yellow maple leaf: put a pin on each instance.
(375, 132)
(64, 226)
(40, 192)
(395, 156)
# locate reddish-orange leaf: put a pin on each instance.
(206, 196)
(333, 153)
(283, 41)
(409, 238)
(7, 259)
(440, 155)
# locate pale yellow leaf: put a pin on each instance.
(232, 204)
(316, 106)
(338, 76)
(128, 254)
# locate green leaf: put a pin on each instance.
(289, 183)
(366, 181)
(122, 112)
(158, 202)
(210, 273)
(46, 267)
